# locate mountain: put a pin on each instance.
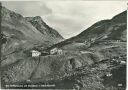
(102, 46)
(41, 26)
(113, 29)
(105, 39)
(19, 36)
(85, 62)
(21, 32)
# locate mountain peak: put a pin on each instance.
(36, 18)
(28, 27)
(37, 22)
(41, 26)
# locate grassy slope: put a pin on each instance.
(54, 66)
(21, 36)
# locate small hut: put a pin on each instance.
(35, 53)
(56, 51)
(53, 51)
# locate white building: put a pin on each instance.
(56, 51)
(120, 84)
(123, 62)
(53, 51)
(59, 52)
(35, 53)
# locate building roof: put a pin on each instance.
(34, 51)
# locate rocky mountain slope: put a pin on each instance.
(114, 29)
(103, 41)
(15, 25)
(21, 34)
(85, 63)
(41, 26)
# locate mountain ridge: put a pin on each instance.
(68, 69)
(101, 29)
(18, 23)
(40, 25)
(21, 35)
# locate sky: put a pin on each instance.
(69, 18)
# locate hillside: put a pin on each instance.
(84, 64)
(105, 42)
(105, 28)
(21, 34)
(41, 26)
(114, 29)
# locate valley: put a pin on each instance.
(36, 54)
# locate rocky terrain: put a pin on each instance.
(21, 34)
(93, 60)
(48, 32)
(114, 29)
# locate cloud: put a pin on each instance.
(28, 8)
(65, 24)
(69, 18)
